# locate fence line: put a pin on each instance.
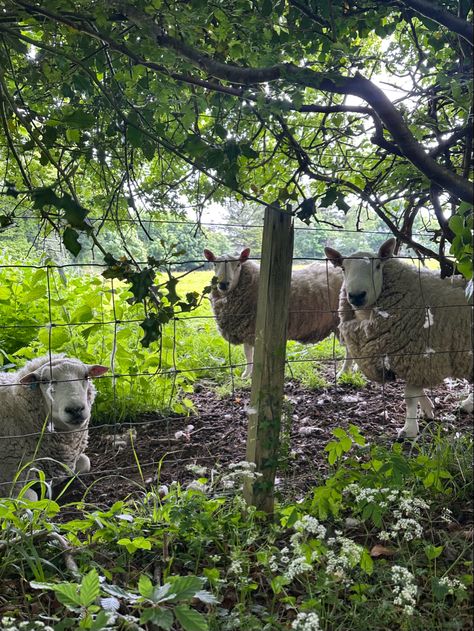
(171, 373)
(195, 224)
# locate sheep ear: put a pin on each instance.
(30, 379)
(96, 370)
(244, 255)
(210, 256)
(387, 249)
(334, 256)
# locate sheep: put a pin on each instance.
(45, 409)
(401, 322)
(313, 302)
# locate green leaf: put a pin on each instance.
(185, 587)
(190, 619)
(90, 588)
(71, 242)
(366, 562)
(73, 135)
(307, 209)
(145, 586)
(79, 119)
(68, 594)
(433, 552)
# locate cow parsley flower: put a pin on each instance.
(451, 584)
(405, 589)
(306, 622)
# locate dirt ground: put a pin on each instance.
(215, 436)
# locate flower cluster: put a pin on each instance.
(9, 624)
(238, 473)
(405, 589)
(451, 583)
(306, 622)
(197, 469)
(403, 510)
(350, 554)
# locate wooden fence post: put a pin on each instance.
(263, 440)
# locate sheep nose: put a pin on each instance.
(223, 286)
(76, 413)
(357, 299)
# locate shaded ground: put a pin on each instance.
(216, 435)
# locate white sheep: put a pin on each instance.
(398, 321)
(45, 409)
(313, 302)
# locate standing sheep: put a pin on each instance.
(45, 409)
(314, 298)
(401, 322)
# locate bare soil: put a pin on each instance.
(154, 449)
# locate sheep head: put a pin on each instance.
(227, 269)
(66, 389)
(363, 273)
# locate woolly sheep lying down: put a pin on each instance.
(401, 322)
(44, 415)
(313, 307)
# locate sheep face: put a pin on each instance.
(67, 391)
(227, 269)
(363, 273)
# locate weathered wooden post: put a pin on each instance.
(266, 398)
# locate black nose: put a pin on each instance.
(223, 286)
(76, 413)
(357, 299)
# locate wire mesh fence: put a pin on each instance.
(46, 310)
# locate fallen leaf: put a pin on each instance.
(381, 551)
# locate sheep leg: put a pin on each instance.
(248, 350)
(83, 464)
(427, 406)
(347, 366)
(413, 394)
(467, 405)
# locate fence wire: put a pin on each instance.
(172, 388)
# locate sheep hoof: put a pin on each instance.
(404, 434)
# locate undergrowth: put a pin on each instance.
(384, 543)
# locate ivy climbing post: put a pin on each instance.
(263, 441)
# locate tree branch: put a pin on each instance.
(438, 14)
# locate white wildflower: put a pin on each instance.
(310, 525)
(306, 622)
(196, 469)
(446, 515)
(382, 314)
(405, 589)
(429, 351)
(451, 584)
(297, 566)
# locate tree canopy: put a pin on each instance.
(114, 109)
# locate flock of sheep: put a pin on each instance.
(395, 321)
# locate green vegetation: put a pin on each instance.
(374, 547)
(94, 321)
